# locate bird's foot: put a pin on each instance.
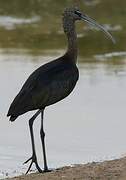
(33, 159)
(46, 170)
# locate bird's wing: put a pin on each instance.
(34, 90)
(26, 100)
(37, 90)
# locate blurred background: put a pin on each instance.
(90, 124)
(36, 25)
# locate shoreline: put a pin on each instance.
(106, 170)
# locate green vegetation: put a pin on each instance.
(47, 32)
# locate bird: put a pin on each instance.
(51, 82)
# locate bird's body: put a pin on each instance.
(45, 86)
(51, 82)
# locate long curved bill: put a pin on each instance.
(92, 22)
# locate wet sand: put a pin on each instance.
(107, 170)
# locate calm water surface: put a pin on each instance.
(89, 125)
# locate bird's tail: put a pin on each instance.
(12, 118)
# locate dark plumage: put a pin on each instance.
(51, 82)
(47, 85)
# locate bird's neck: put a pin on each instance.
(70, 31)
(72, 45)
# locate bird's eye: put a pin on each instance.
(77, 13)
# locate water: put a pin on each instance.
(9, 23)
(89, 125)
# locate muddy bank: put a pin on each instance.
(107, 170)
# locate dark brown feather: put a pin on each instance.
(45, 86)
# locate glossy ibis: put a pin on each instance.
(51, 82)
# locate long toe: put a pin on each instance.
(47, 170)
(33, 159)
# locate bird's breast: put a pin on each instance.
(61, 87)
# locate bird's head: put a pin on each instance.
(70, 13)
(73, 14)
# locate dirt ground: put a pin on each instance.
(107, 170)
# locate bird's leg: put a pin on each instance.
(33, 158)
(42, 134)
